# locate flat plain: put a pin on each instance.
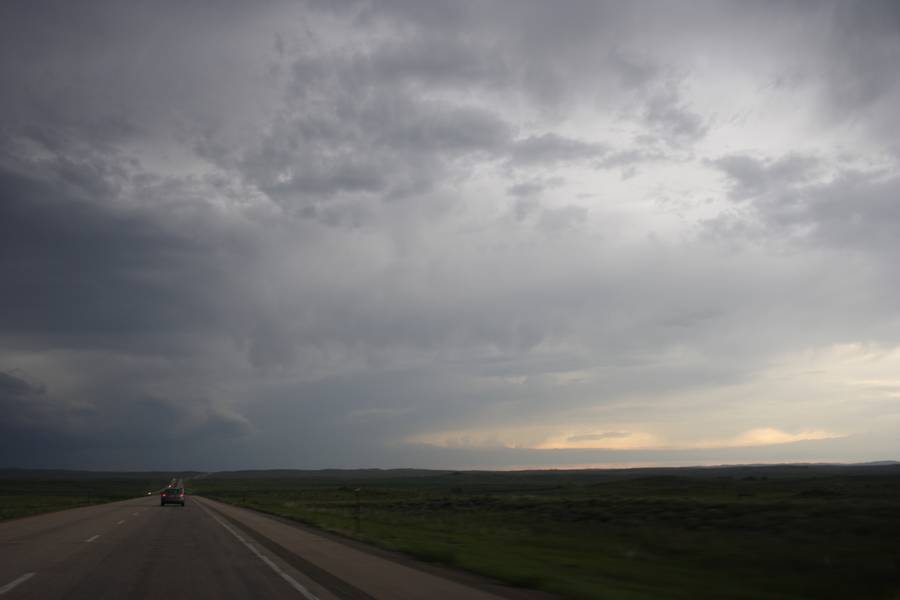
(777, 532)
(24, 492)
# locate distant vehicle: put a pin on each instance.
(171, 495)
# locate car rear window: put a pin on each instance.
(173, 491)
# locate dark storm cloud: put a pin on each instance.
(20, 400)
(110, 72)
(119, 432)
(387, 145)
(870, 222)
(80, 272)
(356, 120)
(751, 176)
(95, 279)
(860, 72)
(788, 196)
(431, 59)
(550, 148)
(305, 234)
(525, 189)
(665, 114)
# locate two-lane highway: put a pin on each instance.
(138, 549)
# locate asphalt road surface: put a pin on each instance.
(138, 549)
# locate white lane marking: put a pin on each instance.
(291, 581)
(16, 582)
(120, 522)
(92, 538)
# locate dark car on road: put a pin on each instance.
(171, 495)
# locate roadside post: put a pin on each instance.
(357, 491)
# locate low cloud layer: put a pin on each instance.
(448, 234)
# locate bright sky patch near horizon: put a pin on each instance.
(448, 234)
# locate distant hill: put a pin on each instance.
(757, 470)
(74, 475)
(328, 473)
(737, 471)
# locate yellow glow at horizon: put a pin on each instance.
(810, 395)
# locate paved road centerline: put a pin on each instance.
(15, 582)
(92, 538)
(291, 581)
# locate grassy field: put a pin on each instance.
(765, 532)
(29, 493)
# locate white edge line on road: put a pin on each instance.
(92, 538)
(293, 582)
(16, 582)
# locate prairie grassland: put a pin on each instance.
(29, 496)
(750, 533)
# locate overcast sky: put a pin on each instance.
(448, 234)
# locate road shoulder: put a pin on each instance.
(370, 572)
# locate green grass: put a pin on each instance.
(595, 535)
(23, 497)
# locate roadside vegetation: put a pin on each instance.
(27, 493)
(751, 532)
